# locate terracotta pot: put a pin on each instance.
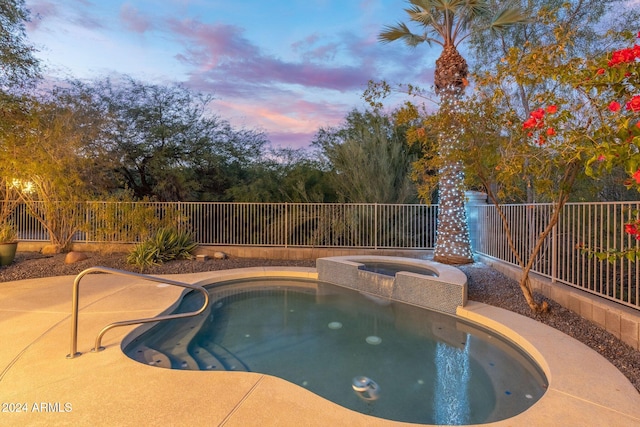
(7, 252)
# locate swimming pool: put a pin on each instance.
(419, 366)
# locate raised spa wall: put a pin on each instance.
(443, 292)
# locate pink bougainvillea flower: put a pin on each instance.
(551, 131)
(540, 140)
(636, 176)
(601, 158)
(626, 55)
(552, 109)
(631, 229)
(537, 114)
(529, 123)
(614, 106)
(634, 104)
(600, 71)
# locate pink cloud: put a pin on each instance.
(310, 52)
(209, 45)
(307, 41)
(133, 20)
(221, 53)
(40, 10)
(234, 73)
(287, 120)
(80, 14)
(291, 99)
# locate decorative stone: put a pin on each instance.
(202, 258)
(73, 257)
(219, 255)
(51, 250)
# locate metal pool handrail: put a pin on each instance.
(74, 306)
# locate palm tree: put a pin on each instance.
(448, 23)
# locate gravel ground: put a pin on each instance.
(485, 285)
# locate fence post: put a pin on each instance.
(554, 253)
(89, 227)
(286, 224)
(375, 226)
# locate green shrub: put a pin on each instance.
(166, 244)
(121, 218)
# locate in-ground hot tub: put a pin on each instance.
(423, 283)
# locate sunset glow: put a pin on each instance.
(287, 69)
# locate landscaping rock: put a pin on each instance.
(73, 257)
(219, 255)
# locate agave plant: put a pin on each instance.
(166, 244)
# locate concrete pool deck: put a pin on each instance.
(40, 386)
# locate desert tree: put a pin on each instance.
(369, 159)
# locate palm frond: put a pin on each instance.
(450, 20)
(448, 6)
(421, 16)
(422, 4)
(508, 17)
(475, 9)
(400, 31)
(471, 12)
(431, 20)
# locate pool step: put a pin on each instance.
(151, 356)
(182, 359)
(217, 355)
(205, 360)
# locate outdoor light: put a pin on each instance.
(23, 186)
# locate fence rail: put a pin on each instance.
(598, 226)
(376, 226)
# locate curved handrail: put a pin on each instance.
(75, 298)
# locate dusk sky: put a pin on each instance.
(285, 67)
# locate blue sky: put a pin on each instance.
(285, 67)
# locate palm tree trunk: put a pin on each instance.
(452, 244)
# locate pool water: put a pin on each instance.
(390, 269)
(423, 366)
